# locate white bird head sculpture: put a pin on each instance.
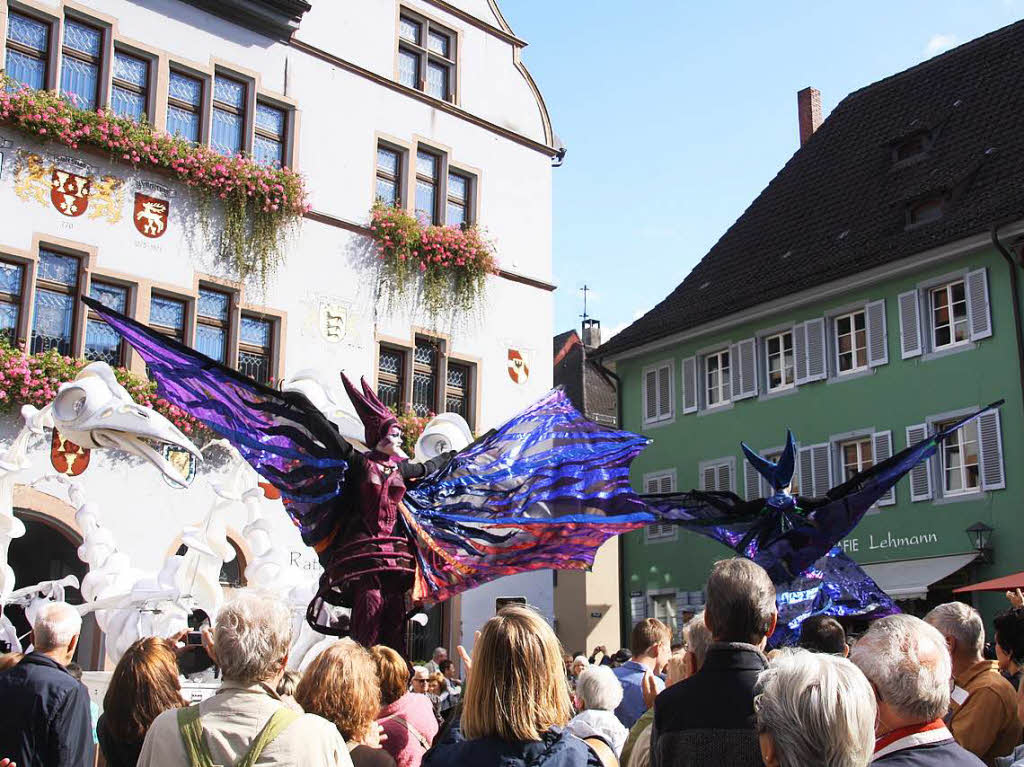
(95, 411)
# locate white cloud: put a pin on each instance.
(939, 43)
(616, 329)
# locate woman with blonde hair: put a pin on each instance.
(341, 686)
(144, 684)
(406, 718)
(516, 701)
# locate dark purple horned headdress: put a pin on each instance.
(377, 418)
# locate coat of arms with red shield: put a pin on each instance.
(518, 369)
(151, 215)
(69, 192)
(67, 457)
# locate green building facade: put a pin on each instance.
(861, 301)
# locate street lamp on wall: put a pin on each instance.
(980, 536)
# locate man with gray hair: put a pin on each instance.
(907, 664)
(46, 716)
(709, 718)
(983, 704)
(245, 720)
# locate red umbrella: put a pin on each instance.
(1006, 583)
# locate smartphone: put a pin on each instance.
(194, 639)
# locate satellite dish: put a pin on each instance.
(448, 431)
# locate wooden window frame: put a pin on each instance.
(466, 203)
(400, 381)
(781, 336)
(39, 283)
(227, 325)
(184, 106)
(723, 379)
(88, 58)
(440, 166)
(860, 441)
(163, 329)
(851, 315)
(262, 133)
(92, 316)
(397, 178)
(933, 327)
(467, 392)
(242, 111)
(425, 56)
(269, 351)
(144, 91)
(958, 435)
(25, 50)
(19, 299)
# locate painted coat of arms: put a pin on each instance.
(69, 185)
(67, 457)
(518, 367)
(150, 215)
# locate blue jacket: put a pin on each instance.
(557, 749)
(45, 720)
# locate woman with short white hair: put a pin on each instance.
(814, 709)
(598, 694)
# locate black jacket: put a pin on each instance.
(709, 719)
(44, 715)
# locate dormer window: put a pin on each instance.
(924, 210)
(909, 147)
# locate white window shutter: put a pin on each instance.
(920, 475)
(990, 437)
(878, 336)
(978, 312)
(652, 485)
(806, 472)
(690, 385)
(665, 392)
(650, 395)
(751, 482)
(910, 324)
(821, 460)
(817, 370)
(735, 382)
(800, 352)
(744, 364)
(724, 479)
(667, 485)
(708, 478)
(881, 449)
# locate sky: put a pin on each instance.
(676, 114)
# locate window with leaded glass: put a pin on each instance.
(213, 321)
(129, 93)
(857, 455)
(184, 106)
(426, 357)
(228, 133)
(82, 57)
(12, 281)
(28, 50)
(101, 341)
(269, 140)
(851, 342)
(167, 316)
(391, 376)
(428, 167)
(458, 209)
(53, 312)
(255, 348)
(959, 460)
(426, 56)
(389, 175)
(457, 395)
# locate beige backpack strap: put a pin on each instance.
(604, 752)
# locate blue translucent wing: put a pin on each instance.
(544, 490)
(282, 436)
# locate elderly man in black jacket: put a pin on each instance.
(45, 711)
(709, 718)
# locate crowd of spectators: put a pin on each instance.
(907, 692)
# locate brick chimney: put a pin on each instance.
(808, 103)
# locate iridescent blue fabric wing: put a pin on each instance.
(281, 434)
(836, 586)
(544, 490)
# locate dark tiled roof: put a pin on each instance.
(577, 374)
(838, 206)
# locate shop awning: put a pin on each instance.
(910, 579)
(1005, 583)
